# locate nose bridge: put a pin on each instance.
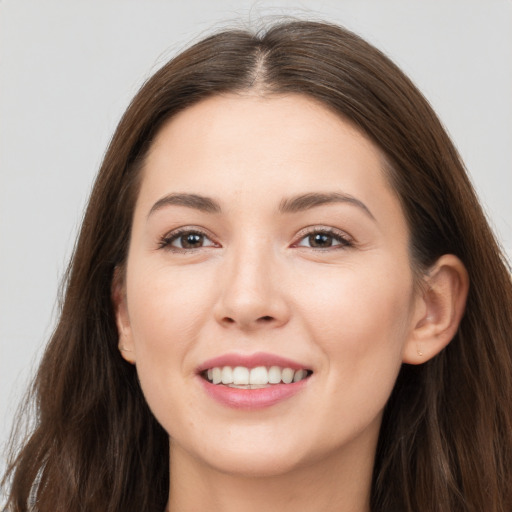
(251, 296)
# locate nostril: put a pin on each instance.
(248, 324)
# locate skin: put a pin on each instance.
(353, 312)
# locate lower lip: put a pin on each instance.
(252, 398)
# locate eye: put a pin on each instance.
(186, 240)
(324, 239)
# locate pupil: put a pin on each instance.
(191, 240)
(320, 240)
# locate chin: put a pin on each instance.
(245, 457)
(262, 465)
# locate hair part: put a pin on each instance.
(446, 436)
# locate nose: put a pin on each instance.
(252, 295)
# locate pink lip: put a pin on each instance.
(251, 398)
(251, 361)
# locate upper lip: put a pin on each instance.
(251, 361)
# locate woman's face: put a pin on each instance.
(267, 238)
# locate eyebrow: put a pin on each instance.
(293, 204)
(314, 199)
(202, 203)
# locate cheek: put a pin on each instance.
(165, 309)
(364, 308)
(360, 322)
(165, 313)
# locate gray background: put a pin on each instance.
(68, 69)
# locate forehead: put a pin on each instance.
(242, 145)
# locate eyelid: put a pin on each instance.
(345, 239)
(166, 240)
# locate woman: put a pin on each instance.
(284, 294)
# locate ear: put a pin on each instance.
(438, 311)
(118, 294)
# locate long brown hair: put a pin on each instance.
(446, 436)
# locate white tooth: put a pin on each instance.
(299, 375)
(210, 374)
(240, 375)
(216, 375)
(274, 375)
(227, 375)
(287, 375)
(258, 375)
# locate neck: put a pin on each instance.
(340, 482)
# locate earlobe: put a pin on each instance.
(442, 303)
(125, 353)
(118, 295)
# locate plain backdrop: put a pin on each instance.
(68, 70)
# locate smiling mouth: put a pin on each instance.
(242, 377)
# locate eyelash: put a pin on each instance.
(339, 236)
(344, 241)
(167, 240)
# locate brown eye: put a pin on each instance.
(190, 241)
(323, 239)
(186, 240)
(320, 240)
